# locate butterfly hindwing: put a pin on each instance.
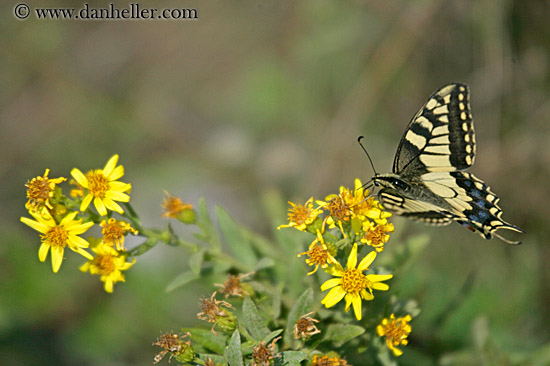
(414, 210)
(440, 137)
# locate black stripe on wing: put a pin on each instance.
(440, 137)
(412, 209)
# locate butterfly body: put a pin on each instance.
(428, 182)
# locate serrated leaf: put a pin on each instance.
(233, 352)
(195, 261)
(235, 239)
(181, 280)
(209, 232)
(301, 307)
(290, 358)
(207, 339)
(254, 321)
(341, 333)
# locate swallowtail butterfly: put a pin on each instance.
(428, 182)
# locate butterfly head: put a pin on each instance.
(392, 181)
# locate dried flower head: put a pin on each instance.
(305, 327)
(212, 312)
(175, 345)
(264, 354)
(233, 286)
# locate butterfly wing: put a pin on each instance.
(475, 205)
(413, 209)
(440, 137)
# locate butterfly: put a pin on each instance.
(428, 182)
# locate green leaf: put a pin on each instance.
(216, 358)
(341, 333)
(181, 280)
(264, 263)
(272, 335)
(195, 261)
(276, 301)
(254, 321)
(207, 339)
(233, 352)
(301, 307)
(209, 232)
(235, 239)
(290, 358)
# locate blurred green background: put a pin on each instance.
(269, 96)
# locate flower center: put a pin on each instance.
(105, 264)
(299, 215)
(396, 332)
(317, 255)
(354, 281)
(338, 208)
(97, 183)
(112, 232)
(56, 236)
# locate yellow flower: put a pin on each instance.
(328, 360)
(354, 207)
(376, 236)
(113, 232)
(103, 187)
(318, 254)
(108, 263)
(351, 284)
(396, 332)
(57, 237)
(40, 190)
(300, 217)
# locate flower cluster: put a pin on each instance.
(344, 225)
(62, 220)
(353, 219)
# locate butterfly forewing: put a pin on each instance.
(440, 137)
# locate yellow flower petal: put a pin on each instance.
(86, 202)
(333, 297)
(110, 166)
(367, 261)
(57, 258)
(79, 177)
(331, 283)
(100, 207)
(117, 173)
(380, 286)
(43, 252)
(35, 225)
(356, 302)
(352, 259)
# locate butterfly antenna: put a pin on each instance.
(368, 156)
